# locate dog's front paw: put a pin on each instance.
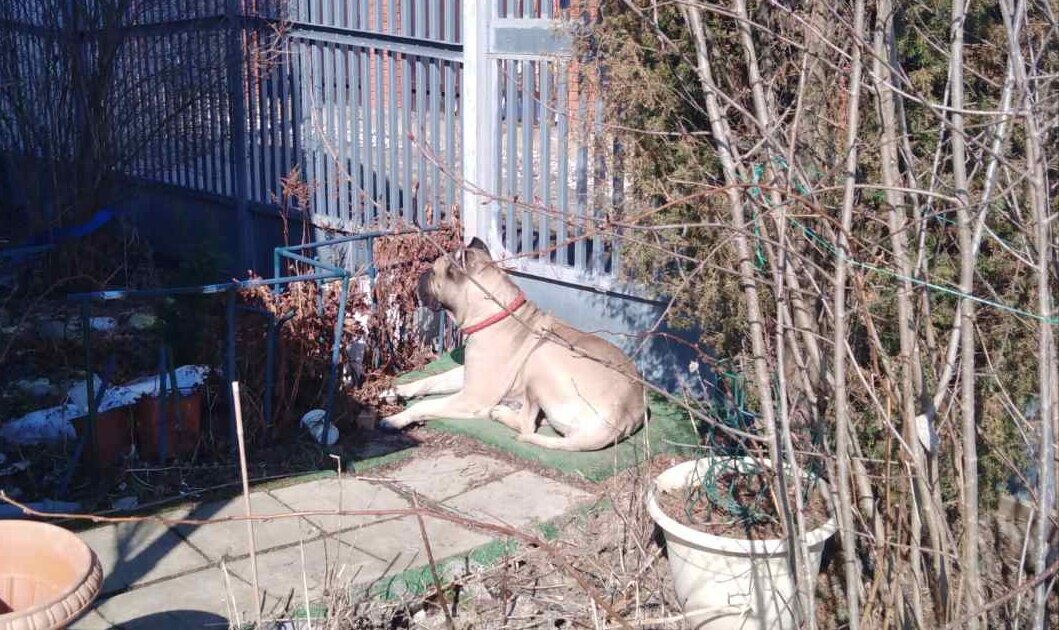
(390, 424)
(390, 395)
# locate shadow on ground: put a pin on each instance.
(177, 619)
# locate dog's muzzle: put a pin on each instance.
(424, 293)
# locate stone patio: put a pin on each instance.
(196, 577)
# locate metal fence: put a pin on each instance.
(380, 84)
(387, 108)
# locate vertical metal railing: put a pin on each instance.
(381, 98)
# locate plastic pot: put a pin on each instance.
(183, 419)
(48, 576)
(727, 583)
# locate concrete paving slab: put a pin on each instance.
(519, 499)
(446, 474)
(327, 563)
(217, 540)
(196, 600)
(399, 544)
(331, 494)
(135, 553)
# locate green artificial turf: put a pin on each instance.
(668, 430)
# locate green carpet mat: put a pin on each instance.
(669, 430)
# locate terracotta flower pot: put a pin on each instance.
(183, 419)
(113, 437)
(48, 576)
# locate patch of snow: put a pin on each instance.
(77, 395)
(37, 388)
(142, 321)
(44, 425)
(187, 377)
(103, 324)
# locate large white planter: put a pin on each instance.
(728, 583)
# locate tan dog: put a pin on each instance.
(519, 362)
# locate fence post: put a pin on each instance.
(478, 126)
(236, 62)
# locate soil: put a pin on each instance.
(748, 491)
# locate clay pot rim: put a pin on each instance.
(76, 547)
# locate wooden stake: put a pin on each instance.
(433, 567)
(246, 497)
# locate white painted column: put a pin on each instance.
(478, 110)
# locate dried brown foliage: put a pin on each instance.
(384, 321)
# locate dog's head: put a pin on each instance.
(457, 278)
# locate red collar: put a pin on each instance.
(519, 300)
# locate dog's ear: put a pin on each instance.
(477, 243)
(459, 256)
(463, 256)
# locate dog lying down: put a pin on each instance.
(520, 363)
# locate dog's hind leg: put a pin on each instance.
(448, 382)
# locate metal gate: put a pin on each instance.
(389, 108)
(552, 177)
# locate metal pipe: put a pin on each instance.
(336, 348)
(312, 261)
(354, 237)
(230, 368)
(71, 467)
(275, 271)
(162, 437)
(331, 273)
(206, 289)
(90, 386)
(270, 368)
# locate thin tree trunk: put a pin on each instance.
(755, 319)
(909, 377)
(735, 198)
(971, 535)
(1047, 367)
(842, 418)
(794, 524)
